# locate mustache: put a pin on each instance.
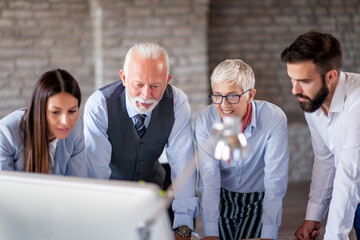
(140, 99)
(302, 96)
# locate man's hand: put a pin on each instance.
(178, 237)
(309, 230)
(210, 238)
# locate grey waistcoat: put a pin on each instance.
(134, 158)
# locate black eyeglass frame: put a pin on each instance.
(226, 97)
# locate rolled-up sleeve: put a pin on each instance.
(180, 154)
(210, 179)
(276, 173)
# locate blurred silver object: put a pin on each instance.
(230, 142)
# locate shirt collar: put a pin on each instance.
(337, 101)
(253, 116)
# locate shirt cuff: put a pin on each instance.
(183, 219)
(315, 212)
(269, 231)
(185, 210)
(211, 229)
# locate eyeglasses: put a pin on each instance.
(232, 99)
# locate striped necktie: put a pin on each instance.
(140, 124)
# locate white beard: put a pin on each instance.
(143, 109)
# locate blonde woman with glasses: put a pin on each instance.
(242, 197)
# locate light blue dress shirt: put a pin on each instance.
(335, 183)
(179, 149)
(69, 153)
(265, 168)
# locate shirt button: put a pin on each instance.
(141, 161)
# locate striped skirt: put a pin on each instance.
(240, 215)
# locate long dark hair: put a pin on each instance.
(34, 124)
(321, 48)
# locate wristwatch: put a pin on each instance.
(183, 231)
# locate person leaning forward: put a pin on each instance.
(129, 122)
(242, 198)
(46, 137)
(330, 99)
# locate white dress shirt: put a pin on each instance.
(336, 171)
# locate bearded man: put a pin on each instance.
(331, 101)
(128, 124)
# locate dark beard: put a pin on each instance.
(318, 100)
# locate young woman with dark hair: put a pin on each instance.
(47, 136)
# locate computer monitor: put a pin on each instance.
(48, 207)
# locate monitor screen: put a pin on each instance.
(48, 207)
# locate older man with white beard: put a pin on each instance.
(128, 124)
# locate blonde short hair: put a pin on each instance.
(236, 72)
